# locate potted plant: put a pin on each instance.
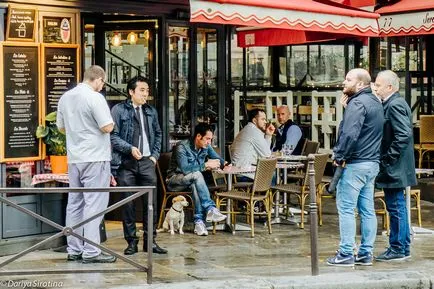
(55, 142)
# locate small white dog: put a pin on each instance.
(175, 216)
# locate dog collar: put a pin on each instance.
(177, 210)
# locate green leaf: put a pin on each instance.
(51, 117)
(41, 131)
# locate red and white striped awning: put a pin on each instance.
(407, 17)
(308, 15)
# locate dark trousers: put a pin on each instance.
(399, 236)
(138, 173)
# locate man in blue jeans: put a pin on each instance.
(397, 163)
(358, 150)
(189, 159)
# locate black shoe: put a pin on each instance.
(101, 258)
(132, 248)
(155, 249)
(74, 257)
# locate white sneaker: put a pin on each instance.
(200, 229)
(214, 215)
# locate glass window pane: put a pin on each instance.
(259, 66)
(297, 65)
(236, 62)
(179, 102)
(207, 102)
(398, 53)
(327, 65)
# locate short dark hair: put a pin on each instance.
(132, 83)
(254, 113)
(202, 128)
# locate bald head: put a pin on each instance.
(356, 80)
(283, 114)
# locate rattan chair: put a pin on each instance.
(415, 194)
(426, 137)
(259, 192)
(325, 181)
(162, 167)
(382, 211)
(302, 190)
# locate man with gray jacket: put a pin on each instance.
(397, 169)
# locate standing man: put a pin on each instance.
(136, 142)
(189, 159)
(288, 133)
(253, 141)
(85, 117)
(358, 150)
(397, 169)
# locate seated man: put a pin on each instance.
(288, 133)
(186, 167)
(252, 142)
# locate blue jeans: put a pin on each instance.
(356, 190)
(399, 237)
(201, 197)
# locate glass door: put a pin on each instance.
(207, 97)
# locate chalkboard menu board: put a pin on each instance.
(60, 72)
(20, 103)
(21, 24)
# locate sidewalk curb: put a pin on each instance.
(353, 280)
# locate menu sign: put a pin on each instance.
(21, 24)
(61, 72)
(56, 29)
(20, 103)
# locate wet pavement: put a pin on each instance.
(279, 260)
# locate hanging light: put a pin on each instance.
(116, 40)
(132, 38)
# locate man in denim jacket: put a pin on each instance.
(189, 159)
(136, 145)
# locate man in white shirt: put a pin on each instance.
(253, 141)
(85, 117)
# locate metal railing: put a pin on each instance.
(69, 231)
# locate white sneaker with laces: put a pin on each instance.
(214, 215)
(200, 229)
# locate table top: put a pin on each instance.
(425, 171)
(289, 165)
(45, 178)
(291, 158)
(236, 170)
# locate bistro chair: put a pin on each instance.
(162, 167)
(415, 194)
(382, 211)
(426, 137)
(302, 190)
(325, 181)
(259, 192)
(309, 147)
(236, 184)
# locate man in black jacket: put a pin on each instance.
(397, 169)
(136, 145)
(358, 146)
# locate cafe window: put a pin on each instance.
(314, 66)
(258, 66)
(179, 101)
(236, 62)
